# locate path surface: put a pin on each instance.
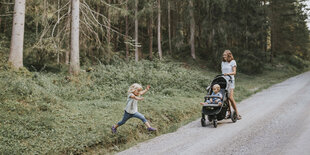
(275, 121)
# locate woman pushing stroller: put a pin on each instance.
(229, 68)
(219, 99)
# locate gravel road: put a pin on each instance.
(275, 121)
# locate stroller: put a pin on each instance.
(216, 112)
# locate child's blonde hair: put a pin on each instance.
(134, 87)
(218, 87)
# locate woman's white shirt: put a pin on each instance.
(227, 67)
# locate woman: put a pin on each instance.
(229, 67)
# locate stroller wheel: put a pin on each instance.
(209, 118)
(203, 122)
(233, 117)
(215, 123)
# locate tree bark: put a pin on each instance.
(159, 33)
(17, 41)
(265, 36)
(126, 34)
(151, 37)
(58, 17)
(5, 21)
(0, 23)
(136, 31)
(74, 54)
(68, 26)
(169, 27)
(109, 27)
(67, 57)
(0, 17)
(192, 27)
(274, 33)
(175, 20)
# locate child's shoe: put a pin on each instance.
(113, 129)
(151, 129)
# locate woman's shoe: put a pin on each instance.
(228, 116)
(239, 117)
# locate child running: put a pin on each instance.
(131, 109)
(216, 92)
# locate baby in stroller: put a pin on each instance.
(214, 100)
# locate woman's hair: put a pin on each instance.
(134, 87)
(229, 56)
(217, 86)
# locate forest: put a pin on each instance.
(66, 65)
(258, 30)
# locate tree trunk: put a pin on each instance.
(0, 18)
(274, 37)
(199, 35)
(136, 32)
(17, 42)
(151, 36)
(1, 24)
(68, 26)
(159, 33)
(74, 54)
(5, 21)
(192, 21)
(169, 26)
(265, 36)
(246, 38)
(126, 34)
(37, 27)
(58, 42)
(175, 20)
(109, 27)
(67, 57)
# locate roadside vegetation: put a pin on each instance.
(46, 112)
(174, 46)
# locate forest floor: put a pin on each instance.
(275, 121)
(53, 113)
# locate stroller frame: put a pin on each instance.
(216, 112)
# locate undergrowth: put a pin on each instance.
(49, 113)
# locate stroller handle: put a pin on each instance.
(225, 75)
(230, 78)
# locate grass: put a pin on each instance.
(47, 113)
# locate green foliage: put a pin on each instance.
(241, 26)
(250, 63)
(46, 51)
(4, 50)
(53, 113)
(297, 62)
(289, 28)
(47, 113)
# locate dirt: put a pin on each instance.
(274, 121)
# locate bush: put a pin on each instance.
(45, 112)
(4, 50)
(296, 61)
(250, 64)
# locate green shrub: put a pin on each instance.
(48, 113)
(250, 64)
(297, 62)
